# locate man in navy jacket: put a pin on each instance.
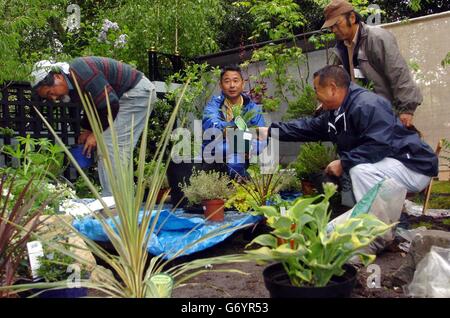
(372, 142)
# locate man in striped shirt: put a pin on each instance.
(129, 92)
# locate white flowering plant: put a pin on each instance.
(109, 40)
(39, 160)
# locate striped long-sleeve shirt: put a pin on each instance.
(93, 74)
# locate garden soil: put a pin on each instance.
(250, 283)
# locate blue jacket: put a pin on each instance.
(213, 116)
(365, 130)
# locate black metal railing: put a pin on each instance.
(162, 65)
(17, 113)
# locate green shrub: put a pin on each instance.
(314, 157)
(54, 267)
(305, 105)
(205, 185)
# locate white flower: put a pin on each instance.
(57, 45)
(5, 193)
(121, 41)
(109, 25)
(102, 37)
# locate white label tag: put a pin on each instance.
(283, 211)
(247, 136)
(35, 250)
(358, 73)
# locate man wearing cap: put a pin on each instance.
(371, 54)
(129, 92)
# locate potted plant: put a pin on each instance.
(56, 266)
(259, 189)
(238, 134)
(210, 188)
(313, 158)
(19, 219)
(311, 258)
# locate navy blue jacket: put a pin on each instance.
(365, 130)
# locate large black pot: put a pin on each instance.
(279, 286)
(64, 293)
(51, 293)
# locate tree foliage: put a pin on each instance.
(37, 29)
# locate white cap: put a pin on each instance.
(42, 68)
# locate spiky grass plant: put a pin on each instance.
(131, 230)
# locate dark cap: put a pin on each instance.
(335, 9)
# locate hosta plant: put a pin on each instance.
(310, 255)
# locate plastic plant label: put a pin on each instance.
(35, 250)
(240, 123)
(161, 285)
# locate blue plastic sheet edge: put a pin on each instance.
(176, 230)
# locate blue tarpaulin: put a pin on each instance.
(175, 231)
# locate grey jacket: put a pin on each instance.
(378, 57)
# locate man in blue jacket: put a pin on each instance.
(218, 114)
(372, 142)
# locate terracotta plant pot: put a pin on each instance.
(307, 187)
(214, 210)
(161, 194)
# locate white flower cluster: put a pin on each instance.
(108, 25)
(63, 189)
(121, 41)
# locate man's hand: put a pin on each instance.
(406, 119)
(263, 132)
(89, 145)
(83, 136)
(334, 168)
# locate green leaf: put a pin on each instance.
(299, 208)
(283, 223)
(265, 240)
(268, 211)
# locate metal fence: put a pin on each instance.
(17, 113)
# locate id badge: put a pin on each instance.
(358, 73)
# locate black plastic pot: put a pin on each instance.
(279, 286)
(64, 293)
(318, 178)
(56, 293)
